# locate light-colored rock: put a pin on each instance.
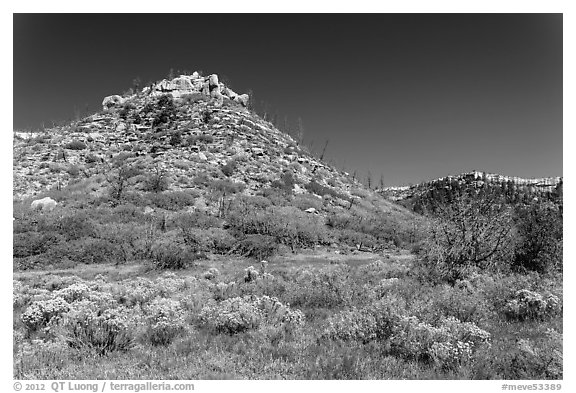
(148, 210)
(213, 80)
(44, 204)
(311, 210)
(242, 99)
(111, 101)
(202, 156)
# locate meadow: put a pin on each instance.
(232, 318)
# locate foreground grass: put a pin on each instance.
(335, 339)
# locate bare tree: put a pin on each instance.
(324, 150)
(471, 232)
(300, 132)
(369, 180)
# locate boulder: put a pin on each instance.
(44, 204)
(242, 99)
(111, 101)
(148, 210)
(213, 81)
(311, 210)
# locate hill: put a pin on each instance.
(191, 145)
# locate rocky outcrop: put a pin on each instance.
(111, 101)
(194, 84)
(44, 204)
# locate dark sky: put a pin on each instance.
(408, 96)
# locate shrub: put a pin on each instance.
(228, 168)
(73, 170)
(473, 232)
(351, 325)
(257, 246)
(172, 200)
(316, 188)
(104, 331)
(238, 315)
(75, 145)
(529, 305)
(165, 321)
(205, 138)
(91, 158)
(540, 230)
(171, 253)
(41, 312)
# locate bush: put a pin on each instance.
(228, 168)
(75, 145)
(473, 232)
(172, 200)
(288, 224)
(165, 321)
(316, 188)
(104, 331)
(238, 315)
(257, 246)
(529, 305)
(205, 138)
(351, 325)
(170, 252)
(540, 230)
(41, 312)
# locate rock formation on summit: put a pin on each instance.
(184, 85)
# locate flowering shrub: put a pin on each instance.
(137, 292)
(211, 273)
(73, 292)
(40, 312)
(231, 316)
(352, 325)
(532, 305)
(165, 321)
(238, 314)
(87, 326)
(222, 290)
(449, 344)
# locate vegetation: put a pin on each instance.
(251, 259)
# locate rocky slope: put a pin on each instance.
(192, 131)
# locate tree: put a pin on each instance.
(119, 174)
(540, 230)
(473, 232)
(300, 132)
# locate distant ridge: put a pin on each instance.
(474, 178)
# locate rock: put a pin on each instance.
(242, 99)
(111, 101)
(311, 210)
(121, 127)
(44, 204)
(229, 93)
(213, 81)
(148, 210)
(202, 156)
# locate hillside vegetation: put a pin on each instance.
(193, 240)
